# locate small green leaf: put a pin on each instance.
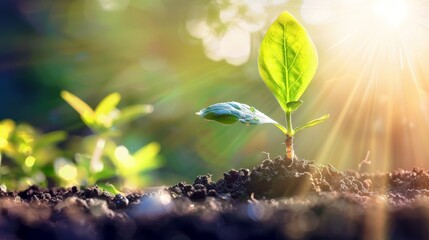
(131, 113)
(106, 111)
(293, 106)
(86, 113)
(51, 138)
(108, 104)
(109, 188)
(231, 112)
(287, 59)
(312, 123)
(106, 173)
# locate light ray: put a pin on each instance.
(378, 48)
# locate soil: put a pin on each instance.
(274, 200)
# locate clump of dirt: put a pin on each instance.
(272, 179)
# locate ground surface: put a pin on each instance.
(274, 200)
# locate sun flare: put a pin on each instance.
(391, 12)
(374, 52)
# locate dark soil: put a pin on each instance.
(271, 201)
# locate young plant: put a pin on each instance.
(28, 153)
(104, 120)
(128, 168)
(133, 168)
(287, 63)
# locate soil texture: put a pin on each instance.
(274, 200)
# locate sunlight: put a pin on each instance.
(393, 13)
(374, 53)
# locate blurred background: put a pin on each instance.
(181, 56)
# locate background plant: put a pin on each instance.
(26, 155)
(105, 121)
(29, 157)
(287, 63)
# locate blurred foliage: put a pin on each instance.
(104, 121)
(26, 155)
(34, 158)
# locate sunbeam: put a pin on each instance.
(380, 48)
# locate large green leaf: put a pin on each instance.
(287, 59)
(231, 112)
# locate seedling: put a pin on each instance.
(104, 120)
(27, 151)
(287, 63)
(128, 168)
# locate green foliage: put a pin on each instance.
(287, 63)
(107, 159)
(131, 167)
(26, 153)
(106, 117)
(110, 188)
(30, 157)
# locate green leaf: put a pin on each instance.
(108, 104)
(146, 157)
(293, 106)
(86, 113)
(231, 112)
(287, 59)
(106, 173)
(109, 188)
(105, 112)
(312, 123)
(51, 138)
(131, 113)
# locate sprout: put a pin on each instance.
(287, 64)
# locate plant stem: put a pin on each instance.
(96, 165)
(290, 153)
(289, 123)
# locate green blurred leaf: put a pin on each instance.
(146, 157)
(83, 161)
(86, 113)
(6, 128)
(313, 123)
(287, 59)
(231, 112)
(108, 104)
(51, 138)
(106, 173)
(131, 113)
(109, 188)
(104, 112)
